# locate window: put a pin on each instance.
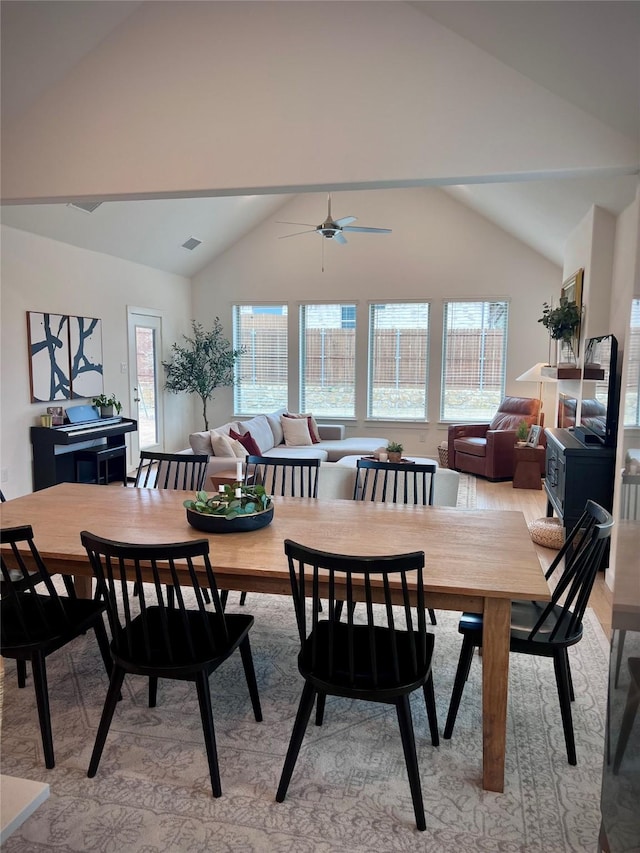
(327, 360)
(262, 372)
(473, 360)
(398, 361)
(631, 393)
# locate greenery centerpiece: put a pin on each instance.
(235, 508)
(107, 405)
(522, 432)
(205, 363)
(562, 323)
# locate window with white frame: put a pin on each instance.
(473, 359)
(398, 360)
(631, 391)
(262, 371)
(327, 360)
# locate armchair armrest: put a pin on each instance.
(463, 431)
(501, 457)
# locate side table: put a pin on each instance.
(528, 467)
(222, 478)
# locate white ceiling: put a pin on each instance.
(586, 52)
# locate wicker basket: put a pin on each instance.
(443, 454)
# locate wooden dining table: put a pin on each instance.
(475, 560)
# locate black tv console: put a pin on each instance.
(575, 473)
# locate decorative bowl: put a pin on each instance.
(220, 524)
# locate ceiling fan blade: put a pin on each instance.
(308, 224)
(346, 220)
(339, 238)
(310, 231)
(367, 230)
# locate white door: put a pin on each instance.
(145, 378)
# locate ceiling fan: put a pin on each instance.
(333, 229)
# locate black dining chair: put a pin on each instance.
(181, 641)
(181, 471)
(36, 620)
(548, 628)
(398, 483)
(293, 478)
(382, 658)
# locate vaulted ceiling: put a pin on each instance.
(584, 52)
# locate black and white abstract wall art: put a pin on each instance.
(85, 336)
(65, 356)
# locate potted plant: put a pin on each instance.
(562, 323)
(234, 508)
(107, 405)
(522, 432)
(204, 364)
(394, 451)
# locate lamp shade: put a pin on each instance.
(534, 374)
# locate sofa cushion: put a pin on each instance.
(311, 451)
(311, 423)
(247, 441)
(260, 431)
(296, 431)
(226, 428)
(273, 419)
(200, 442)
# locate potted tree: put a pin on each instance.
(204, 363)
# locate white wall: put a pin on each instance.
(438, 248)
(42, 275)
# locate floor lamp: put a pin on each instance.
(534, 374)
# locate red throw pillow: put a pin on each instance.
(311, 423)
(247, 441)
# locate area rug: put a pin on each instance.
(466, 492)
(349, 791)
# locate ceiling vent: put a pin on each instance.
(191, 244)
(85, 206)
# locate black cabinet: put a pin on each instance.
(576, 473)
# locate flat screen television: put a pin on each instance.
(598, 421)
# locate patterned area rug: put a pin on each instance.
(349, 790)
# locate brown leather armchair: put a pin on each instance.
(488, 449)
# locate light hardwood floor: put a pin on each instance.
(533, 504)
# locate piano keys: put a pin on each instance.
(54, 448)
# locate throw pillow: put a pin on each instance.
(239, 451)
(247, 442)
(311, 423)
(296, 432)
(200, 442)
(221, 445)
(274, 422)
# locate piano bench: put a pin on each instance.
(99, 455)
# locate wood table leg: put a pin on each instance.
(495, 680)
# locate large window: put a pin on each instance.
(261, 372)
(473, 359)
(327, 360)
(631, 393)
(398, 360)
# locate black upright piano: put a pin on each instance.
(54, 448)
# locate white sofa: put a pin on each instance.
(338, 481)
(267, 432)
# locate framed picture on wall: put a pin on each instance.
(533, 438)
(48, 336)
(572, 291)
(85, 351)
